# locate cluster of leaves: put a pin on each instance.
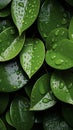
(36, 64)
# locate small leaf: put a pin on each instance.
(12, 77)
(21, 117)
(41, 96)
(24, 13)
(2, 125)
(62, 86)
(32, 56)
(4, 3)
(10, 44)
(60, 56)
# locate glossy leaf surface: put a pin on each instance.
(10, 44)
(56, 35)
(41, 96)
(61, 55)
(62, 86)
(12, 77)
(51, 16)
(32, 56)
(24, 13)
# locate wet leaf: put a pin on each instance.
(41, 95)
(62, 86)
(32, 56)
(24, 13)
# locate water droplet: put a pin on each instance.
(70, 85)
(46, 100)
(71, 35)
(53, 57)
(59, 61)
(57, 32)
(64, 21)
(54, 46)
(61, 85)
(42, 89)
(21, 4)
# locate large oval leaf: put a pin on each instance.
(12, 77)
(4, 99)
(41, 96)
(24, 13)
(61, 55)
(62, 86)
(2, 125)
(10, 44)
(32, 56)
(51, 16)
(4, 3)
(21, 117)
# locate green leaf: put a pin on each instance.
(24, 13)
(71, 30)
(4, 99)
(21, 117)
(54, 121)
(41, 96)
(60, 56)
(67, 112)
(10, 44)
(8, 118)
(32, 56)
(52, 15)
(4, 3)
(12, 77)
(2, 125)
(62, 86)
(56, 35)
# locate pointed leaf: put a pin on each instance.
(32, 56)
(62, 86)
(41, 96)
(10, 44)
(24, 13)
